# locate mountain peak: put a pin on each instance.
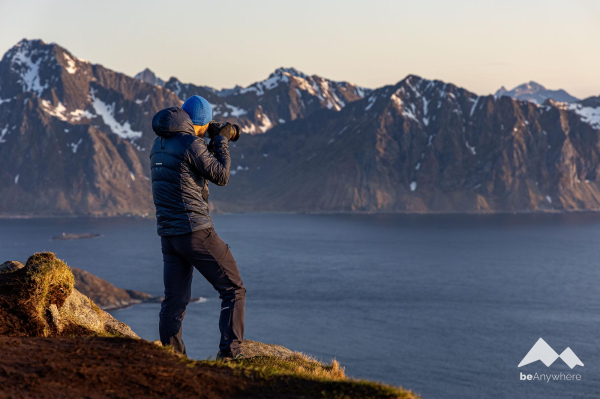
(32, 65)
(536, 93)
(289, 71)
(531, 85)
(148, 76)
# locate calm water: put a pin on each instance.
(444, 305)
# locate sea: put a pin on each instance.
(444, 305)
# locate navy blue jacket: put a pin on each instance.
(182, 166)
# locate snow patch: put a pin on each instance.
(58, 111)
(3, 133)
(71, 66)
(74, 146)
(371, 101)
(29, 72)
(410, 113)
(17, 179)
(413, 186)
(589, 115)
(472, 148)
(277, 77)
(106, 111)
(236, 111)
(474, 105)
(78, 114)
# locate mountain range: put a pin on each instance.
(74, 140)
(536, 93)
(286, 95)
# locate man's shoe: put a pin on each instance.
(226, 357)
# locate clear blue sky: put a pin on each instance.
(479, 45)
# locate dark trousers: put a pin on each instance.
(205, 251)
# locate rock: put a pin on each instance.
(39, 299)
(70, 237)
(254, 349)
(55, 318)
(106, 295)
(11, 266)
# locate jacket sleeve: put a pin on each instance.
(215, 167)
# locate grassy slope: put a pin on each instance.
(100, 367)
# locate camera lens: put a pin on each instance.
(238, 132)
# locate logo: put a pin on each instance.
(543, 352)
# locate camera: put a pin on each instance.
(215, 128)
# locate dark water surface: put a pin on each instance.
(444, 305)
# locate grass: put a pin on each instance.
(49, 281)
(303, 374)
(297, 364)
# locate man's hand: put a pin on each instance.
(213, 129)
(227, 130)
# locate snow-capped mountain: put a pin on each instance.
(74, 139)
(536, 93)
(73, 135)
(286, 95)
(419, 146)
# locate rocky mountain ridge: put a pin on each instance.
(425, 146)
(74, 140)
(286, 95)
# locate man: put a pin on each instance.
(182, 166)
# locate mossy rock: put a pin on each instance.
(40, 300)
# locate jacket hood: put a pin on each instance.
(170, 121)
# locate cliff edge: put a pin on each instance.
(56, 342)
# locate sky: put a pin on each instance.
(479, 45)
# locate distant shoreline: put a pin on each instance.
(152, 217)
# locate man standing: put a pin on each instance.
(182, 166)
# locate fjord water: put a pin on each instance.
(444, 305)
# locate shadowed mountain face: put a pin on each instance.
(74, 139)
(422, 146)
(536, 93)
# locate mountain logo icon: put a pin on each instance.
(543, 352)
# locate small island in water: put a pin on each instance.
(65, 236)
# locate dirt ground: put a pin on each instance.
(106, 367)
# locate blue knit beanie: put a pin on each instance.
(198, 109)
